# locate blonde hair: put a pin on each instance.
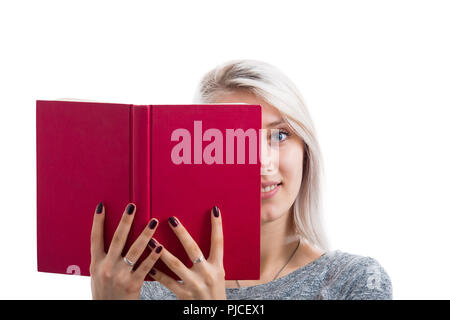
(271, 85)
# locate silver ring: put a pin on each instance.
(199, 259)
(128, 262)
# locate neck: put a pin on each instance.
(277, 245)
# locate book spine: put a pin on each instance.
(139, 159)
(149, 157)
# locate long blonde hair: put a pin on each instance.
(271, 85)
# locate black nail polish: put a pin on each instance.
(153, 271)
(216, 211)
(130, 208)
(152, 243)
(99, 208)
(173, 221)
(158, 250)
(153, 224)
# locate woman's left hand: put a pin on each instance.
(206, 279)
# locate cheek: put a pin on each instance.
(290, 171)
(291, 168)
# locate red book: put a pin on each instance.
(89, 152)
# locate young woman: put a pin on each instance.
(295, 260)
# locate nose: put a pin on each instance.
(269, 153)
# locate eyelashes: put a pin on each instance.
(276, 136)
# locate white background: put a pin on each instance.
(375, 76)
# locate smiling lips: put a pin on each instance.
(269, 189)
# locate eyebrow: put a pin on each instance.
(272, 124)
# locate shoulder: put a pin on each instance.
(153, 290)
(355, 277)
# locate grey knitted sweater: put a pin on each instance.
(335, 275)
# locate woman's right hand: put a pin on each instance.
(112, 277)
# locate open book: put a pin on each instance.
(169, 160)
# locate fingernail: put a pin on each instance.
(158, 250)
(152, 243)
(173, 221)
(130, 208)
(99, 208)
(153, 224)
(153, 271)
(216, 211)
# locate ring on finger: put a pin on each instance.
(199, 259)
(128, 262)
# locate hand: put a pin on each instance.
(206, 279)
(111, 276)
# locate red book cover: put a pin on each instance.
(89, 152)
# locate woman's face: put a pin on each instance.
(287, 179)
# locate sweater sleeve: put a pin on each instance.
(153, 290)
(366, 279)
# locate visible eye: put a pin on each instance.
(281, 135)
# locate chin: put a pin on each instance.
(269, 213)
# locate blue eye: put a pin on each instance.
(280, 135)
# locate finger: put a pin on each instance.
(216, 250)
(190, 246)
(97, 244)
(175, 265)
(120, 235)
(147, 264)
(168, 282)
(153, 243)
(142, 241)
